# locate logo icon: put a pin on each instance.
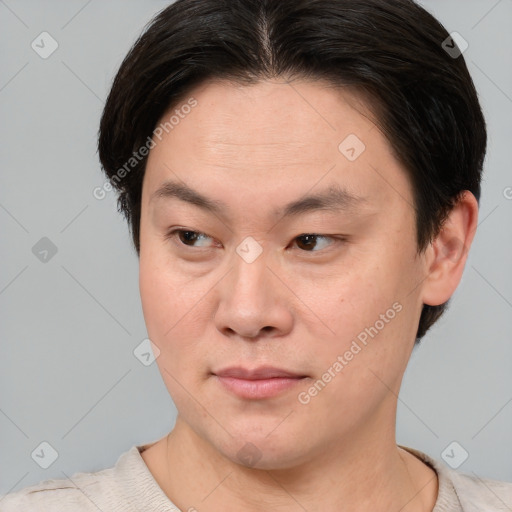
(249, 454)
(351, 147)
(44, 45)
(44, 250)
(455, 45)
(249, 249)
(146, 352)
(44, 455)
(454, 455)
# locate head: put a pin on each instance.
(250, 125)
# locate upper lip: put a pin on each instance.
(262, 372)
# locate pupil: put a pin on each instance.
(188, 235)
(308, 239)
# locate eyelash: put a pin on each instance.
(172, 235)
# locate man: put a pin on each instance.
(302, 183)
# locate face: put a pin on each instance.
(256, 275)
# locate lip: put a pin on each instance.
(258, 383)
(262, 372)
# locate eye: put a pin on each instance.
(308, 241)
(188, 237)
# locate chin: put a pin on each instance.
(260, 452)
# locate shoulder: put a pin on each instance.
(476, 493)
(467, 492)
(82, 492)
(53, 495)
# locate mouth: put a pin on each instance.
(258, 383)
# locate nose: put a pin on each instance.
(254, 301)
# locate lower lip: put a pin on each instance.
(261, 388)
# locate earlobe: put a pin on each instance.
(448, 253)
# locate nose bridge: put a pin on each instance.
(249, 280)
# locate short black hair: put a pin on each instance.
(393, 52)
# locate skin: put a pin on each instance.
(256, 148)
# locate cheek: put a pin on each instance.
(343, 299)
(361, 363)
(156, 295)
(174, 327)
(166, 293)
(362, 312)
(173, 309)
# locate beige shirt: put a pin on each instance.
(129, 486)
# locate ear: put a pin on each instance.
(447, 254)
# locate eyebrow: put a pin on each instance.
(333, 198)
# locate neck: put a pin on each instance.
(363, 473)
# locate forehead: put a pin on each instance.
(277, 138)
(290, 120)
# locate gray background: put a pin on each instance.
(69, 326)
